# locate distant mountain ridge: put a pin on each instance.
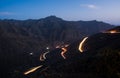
(49, 31)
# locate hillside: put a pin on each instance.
(22, 42)
(49, 31)
(100, 59)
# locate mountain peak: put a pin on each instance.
(54, 18)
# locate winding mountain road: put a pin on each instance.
(81, 44)
(32, 70)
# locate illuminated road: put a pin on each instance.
(32, 70)
(43, 56)
(64, 51)
(81, 44)
(112, 32)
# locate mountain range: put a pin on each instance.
(49, 31)
(23, 41)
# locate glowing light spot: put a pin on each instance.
(113, 31)
(47, 48)
(31, 53)
(32, 70)
(81, 44)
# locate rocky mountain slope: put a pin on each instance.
(100, 59)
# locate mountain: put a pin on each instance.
(100, 58)
(22, 41)
(49, 31)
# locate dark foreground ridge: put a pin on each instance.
(100, 59)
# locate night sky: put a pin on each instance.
(101, 10)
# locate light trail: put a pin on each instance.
(57, 47)
(43, 56)
(66, 45)
(112, 32)
(81, 44)
(32, 70)
(63, 52)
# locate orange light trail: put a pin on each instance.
(81, 44)
(41, 57)
(32, 70)
(63, 52)
(112, 31)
